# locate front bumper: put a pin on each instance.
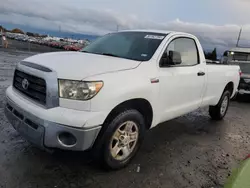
(243, 92)
(244, 86)
(244, 89)
(44, 133)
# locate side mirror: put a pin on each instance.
(175, 58)
(164, 60)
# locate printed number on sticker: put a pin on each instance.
(154, 37)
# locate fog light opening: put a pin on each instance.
(67, 139)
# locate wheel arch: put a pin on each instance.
(140, 104)
(229, 87)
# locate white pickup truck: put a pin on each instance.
(107, 96)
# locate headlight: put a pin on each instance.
(78, 90)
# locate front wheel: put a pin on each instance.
(219, 111)
(122, 139)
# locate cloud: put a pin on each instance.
(52, 14)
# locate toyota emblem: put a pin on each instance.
(25, 83)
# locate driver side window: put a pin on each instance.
(185, 48)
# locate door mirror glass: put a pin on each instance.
(174, 58)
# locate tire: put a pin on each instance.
(234, 98)
(114, 137)
(219, 111)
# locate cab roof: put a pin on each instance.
(154, 31)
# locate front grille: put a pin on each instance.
(36, 88)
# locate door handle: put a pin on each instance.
(201, 73)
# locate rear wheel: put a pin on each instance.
(219, 111)
(121, 139)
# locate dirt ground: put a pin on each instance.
(190, 151)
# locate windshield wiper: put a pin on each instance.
(84, 51)
(88, 52)
(109, 54)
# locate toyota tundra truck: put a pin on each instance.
(106, 96)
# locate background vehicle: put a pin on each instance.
(106, 96)
(241, 57)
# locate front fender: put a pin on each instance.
(125, 86)
(112, 96)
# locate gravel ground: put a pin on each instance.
(190, 151)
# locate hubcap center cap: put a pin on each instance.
(124, 139)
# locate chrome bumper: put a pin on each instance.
(243, 92)
(45, 134)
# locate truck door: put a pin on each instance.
(181, 84)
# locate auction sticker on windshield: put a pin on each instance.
(158, 37)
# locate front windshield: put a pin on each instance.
(245, 68)
(139, 46)
(239, 56)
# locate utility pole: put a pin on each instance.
(60, 30)
(1, 36)
(237, 45)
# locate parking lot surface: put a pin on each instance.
(190, 151)
(26, 46)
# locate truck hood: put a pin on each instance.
(79, 65)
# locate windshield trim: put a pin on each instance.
(121, 57)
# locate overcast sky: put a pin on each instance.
(217, 22)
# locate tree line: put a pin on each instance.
(211, 55)
(16, 30)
